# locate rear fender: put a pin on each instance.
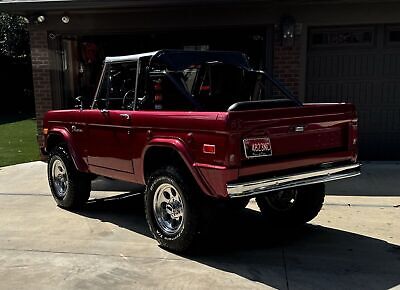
(183, 152)
(79, 162)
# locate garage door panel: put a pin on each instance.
(358, 93)
(323, 92)
(391, 65)
(373, 120)
(373, 144)
(367, 74)
(337, 66)
(390, 93)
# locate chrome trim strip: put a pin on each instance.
(288, 181)
(109, 126)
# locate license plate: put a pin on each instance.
(257, 147)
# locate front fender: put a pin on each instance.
(180, 147)
(67, 138)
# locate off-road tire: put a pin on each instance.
(307, 204)
(78, 183)
(185, 238)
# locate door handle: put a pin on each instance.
(125, 116)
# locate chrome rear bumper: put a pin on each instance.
(252, 188)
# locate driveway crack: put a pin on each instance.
(285, 267)
(92, 254)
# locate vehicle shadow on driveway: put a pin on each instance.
(309, 257)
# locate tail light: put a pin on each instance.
(209, 149)
(354, 139)
(204, 88)
(157, 85)
(158, 97)
(354, 131)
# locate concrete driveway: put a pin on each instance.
(353, 243)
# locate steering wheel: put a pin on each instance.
(129, 92)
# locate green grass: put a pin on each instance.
(18, 142)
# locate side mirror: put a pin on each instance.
(79, 102)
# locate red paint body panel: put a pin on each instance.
(113, 145)
(72, 147)
(109, 132)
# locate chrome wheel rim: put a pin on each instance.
(168, 209)
(59, 177)
(282, 200)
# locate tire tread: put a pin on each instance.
(79, 185)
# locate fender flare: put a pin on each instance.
(179, 147)
(79, 162)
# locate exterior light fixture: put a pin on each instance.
(65, 19)
(257, 37)
(287, 30)
(41, 19)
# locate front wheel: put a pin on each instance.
(294, 206)
(171, 210)
(69, 187)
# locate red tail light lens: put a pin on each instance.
(205, 88)
(158, 97)
(157, 86)
(208, 149)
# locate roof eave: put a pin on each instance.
(26, 7)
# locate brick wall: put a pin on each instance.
(286, 66)
(40, 75)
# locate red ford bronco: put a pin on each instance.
(195, 126)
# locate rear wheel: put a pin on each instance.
(69, 187)
(172, 209)
(294, 206)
